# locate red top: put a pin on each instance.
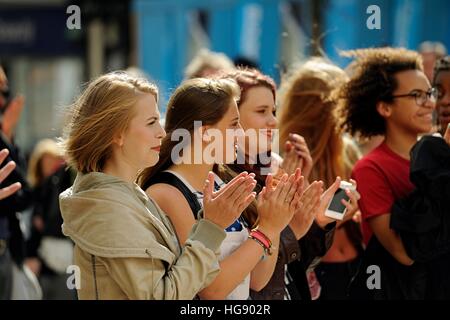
(382, 177)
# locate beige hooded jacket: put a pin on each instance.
(126, 247)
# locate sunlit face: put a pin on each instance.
(142, 140)
(406, 113)
(228, 128)
(257, 112)
(443, 103)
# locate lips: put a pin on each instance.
(157, 149)
(427, 116)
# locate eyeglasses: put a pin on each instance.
(420, 96)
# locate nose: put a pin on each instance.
(161, 132)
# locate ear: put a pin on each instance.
(384, 109)
(203, 131)
(118, 140)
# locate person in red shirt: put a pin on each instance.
(388, 94)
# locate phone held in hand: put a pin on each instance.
(336, 209)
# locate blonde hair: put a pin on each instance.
(306, 109)
(102, 111)
(44, 147)
(206, 59)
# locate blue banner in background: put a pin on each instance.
(38, 31)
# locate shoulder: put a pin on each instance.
(169, 199)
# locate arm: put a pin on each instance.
(389, 239)
(232, 269)
(152, 279)
(263, 271)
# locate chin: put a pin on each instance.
(152, 161)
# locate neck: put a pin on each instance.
(120, 170)
(400, 141)
(195, 174)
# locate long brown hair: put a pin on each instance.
(306, 109)
(198, 99)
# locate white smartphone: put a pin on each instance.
(336, 209)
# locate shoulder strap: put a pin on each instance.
(171, 179)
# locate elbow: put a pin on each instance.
(258, 285)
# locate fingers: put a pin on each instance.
(280, 186)
(287, 147)
(228, 190)
(262, 196)
(247, 201)
(6, 170)
(243, 189)
(242, 196)
(6, 192)
(235, 181)
(269, 182)
(3, 154)
(208, 188)
(290, 189)
(333, 188)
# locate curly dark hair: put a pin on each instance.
(372, 79)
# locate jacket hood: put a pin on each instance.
(109, 217)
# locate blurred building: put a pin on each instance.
(47, 58)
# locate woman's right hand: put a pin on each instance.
(276, 205)
(226, 205)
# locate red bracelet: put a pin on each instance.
(262, 239)
(256, 230)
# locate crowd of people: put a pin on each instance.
(190, 211)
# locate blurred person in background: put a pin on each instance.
(306, 105)
(49, 252)
(18, 281)
(442, 83)
(431, 52)
(207, 63)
